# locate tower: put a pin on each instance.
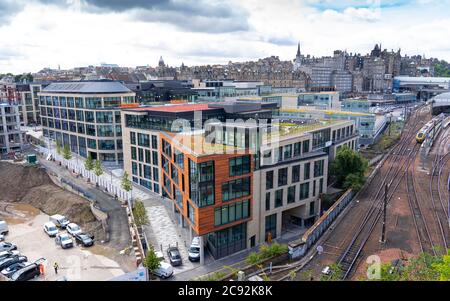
(161, 62)
(298, 59)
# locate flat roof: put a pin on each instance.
(87, 87)
(177, 108)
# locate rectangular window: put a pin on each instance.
(269, 180)
(279, 198)
(311, 208)
(148, 158)
(235, 189)
(287, 152)
(305, 146)
(271, 226)
(155, 158)
(304, 191)
(318, 168)
(267, 201)
(154, 142)
(282, 176)
(133, 153)
(143, 140)
(239, 166)
(295, 173)
(291, 195)
(307, 168)
(133, 138)
(321, 186)
(297, 149)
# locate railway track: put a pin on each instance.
(437, 200)
(398, 162)
(420, 224)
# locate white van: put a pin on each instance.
(3, 228)
(164, 271)
(59, 220)
(51, 229)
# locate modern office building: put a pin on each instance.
(232, 183)
(314, 100)
(162, 91)
(86, 116)
(11, 137)
(356, 105)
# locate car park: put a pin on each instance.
(4, 228)
(73, 229)
(164, 271)
(174, 256)
(27, 273)
(6, 254)
(64, 240)
(59, 220)
(51, 229)
(84, 239)
(7, 246)
(10, 270)
(12, 260)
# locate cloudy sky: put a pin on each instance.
(70, 33)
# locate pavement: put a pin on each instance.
(75, 264)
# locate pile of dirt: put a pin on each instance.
(32, 185)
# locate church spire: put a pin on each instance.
(298, 50)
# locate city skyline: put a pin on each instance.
(89, 32)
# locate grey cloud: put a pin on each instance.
(8, 8)
(189, 15)
(282, 41)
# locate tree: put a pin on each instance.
(140, 213)
(98, 168)
(347, 163)
(66, 152)
(354, 182)
(126, 183)
(152, 262)
(58, 147)
(89, 163)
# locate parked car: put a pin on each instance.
(11, 260)
(164, 271)
(6, 254)
(194, 249)
(9, 271)
(73, 229)
(7, 246)
(84, 239)
(59, 220)
(174, 256)
(26, 273)
(64, 240)
(51, 229)
(3, 228)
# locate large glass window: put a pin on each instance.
(231, 213)
(106, 145)
(133, 138)
(287, 152)
(92, 143)
(239, 166)
(104, 117)
(271, 226)
(235, 189)
(201, 180)
(93, 102)
(267, 201)
(105, 131)
(306, 146)
(297, 149)
(167, 148)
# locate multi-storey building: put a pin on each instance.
(232, 183)
(86, 116)
(11, 138)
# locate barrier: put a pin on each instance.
(299, 247)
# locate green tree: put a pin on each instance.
(98, 168)
(66, 152)
(347, 163)
(152, 262)
(126, 183)
(58, 147)
(140, 213)
(443, 267)
(89, 163)
(354, 181)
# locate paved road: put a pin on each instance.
(117, 221)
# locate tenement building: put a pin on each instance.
(86, 116)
